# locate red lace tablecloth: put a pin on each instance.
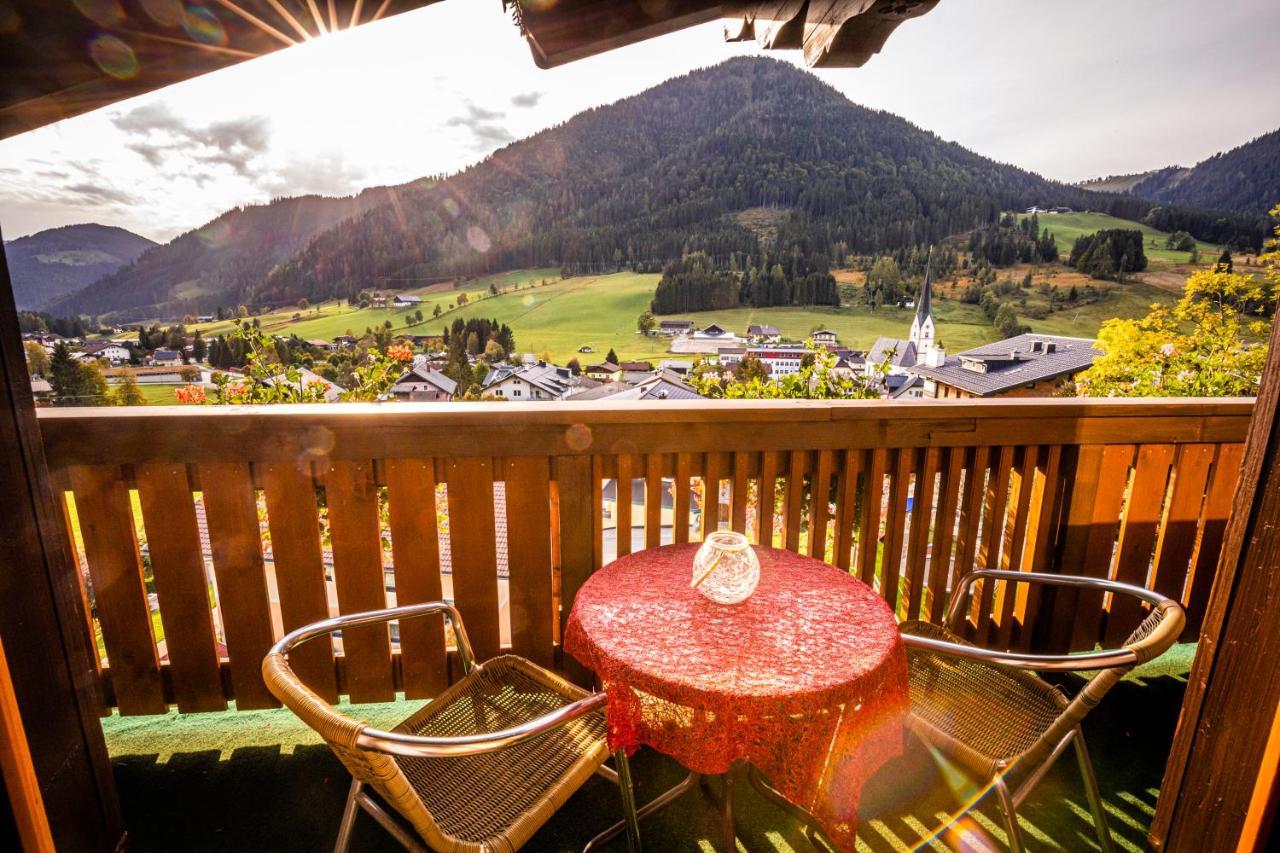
(806, 679)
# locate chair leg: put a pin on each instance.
(348, 817)
(1094, 795)
(1010, 815)
(630, 819)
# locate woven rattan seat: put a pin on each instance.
(477, 799)
(995, 714)
(478, 769)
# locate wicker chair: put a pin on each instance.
(992, 714)
(479, 768)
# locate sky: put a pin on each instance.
(1071, 89)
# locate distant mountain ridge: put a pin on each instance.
(1245, 179)
(52, 263)
(217, 263)
(696, 163)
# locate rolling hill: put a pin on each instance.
(52, 263)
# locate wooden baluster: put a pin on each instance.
(1103, 522)
(653, 500)
(1213, 525)
(624, 485)
(577, 487)
(846, 507)
(944, 525)
(111, 550)
(1015, 536)
(528, 480)
(1177, 540)
(797, 464)
(869, 529)
(903, 462)
(993, 523)
(680, 498)
(173, 538)
(415, 558)
(1042, 533)
(768, 497)
(359, 577)
(918, 546)
(820, 503)
(597, 512)
(711, 494)
(1138, 533)
(741, 484)
(474, 555)
(977, 462)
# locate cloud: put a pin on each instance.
(328, 174)
(483, 125)
(90, 193)
(161, 134)
(527, 99)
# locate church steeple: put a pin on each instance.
(922, 327)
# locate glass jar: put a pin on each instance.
(725, 568)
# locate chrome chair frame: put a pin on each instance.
(418, 746)
(1121, 659)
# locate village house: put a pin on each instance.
(164, 356)
(762, 334)
(708, 340)
(675, 327)
(894, 357)
(424, 384)
(112, 352)
(1029, 365)
(825, 338)
(538, 381)
(605, 371)
(663, 385)
(782, 360)
(406, 300)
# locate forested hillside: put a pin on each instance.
(52, 263)
(217, 263)
(1245, 179)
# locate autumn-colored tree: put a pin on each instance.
(37, 359)
(127, 393)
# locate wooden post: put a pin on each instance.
(42, 623)
(1220, 750)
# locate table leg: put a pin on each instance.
(630, 820)
(656, 804)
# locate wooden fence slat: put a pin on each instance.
(993, 522)
(653, 500)
(768, 490)
(1138, 531)
(235, 541)
(1042, 533)
(1213, 525)
(623, 484)
(597, 513)
(794, 506)
(182, 588)
(680, 499)
(358, 575)
(869, 529)
(576, 486)
(902, 466)
(473, 551)
(1015, 534)
(299, 569)
(528, 481)
(944, 533)
(977, 463)
(712, 475)
(111, 550)
(415, 560)
(846, 508)
(819, 503)
(918, 547)
(741, 484)
(1104, 522)
(1177, 540)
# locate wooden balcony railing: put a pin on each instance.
(249, 522)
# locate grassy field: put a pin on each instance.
(1066, 227)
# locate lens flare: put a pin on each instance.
(578, 437)
(104, 13)
(451, 207)
(203, 26)
(477, 239)
(527, 300)
(113, 56)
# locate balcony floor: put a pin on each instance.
(260, 780)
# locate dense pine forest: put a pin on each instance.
(1243, 179)
(1109, 254)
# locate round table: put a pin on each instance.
(806, 680)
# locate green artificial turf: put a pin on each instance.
(260, 780)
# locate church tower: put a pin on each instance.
(922, 327)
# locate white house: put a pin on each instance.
(424, 384)
(710, 340)
(781, 360)
(535, 382)
(825, 338)
(112, 352)
(406, 300)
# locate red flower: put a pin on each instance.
(190, 394)
(400, 352)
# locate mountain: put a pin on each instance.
(51, 263)
(215, 264)
(1244, 180)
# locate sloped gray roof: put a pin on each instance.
(904, 352)
(1014, 362)
(423, 373)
